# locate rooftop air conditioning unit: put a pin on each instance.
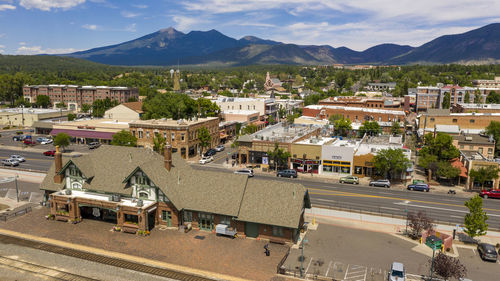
(140, 203)
(468, 138)
(68, 191)
(116, 198)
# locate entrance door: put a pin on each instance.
(251, 229)
(206, 221)
(166, 216)
(151, 220)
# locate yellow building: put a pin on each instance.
(25, 117)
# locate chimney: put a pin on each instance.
(167, 153)
(58, 160)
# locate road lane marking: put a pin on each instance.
(437, 208)
(308, 266)
(389, 208)
(350, 194)
(329, 265)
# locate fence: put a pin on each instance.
(15, 213)
(280, 270)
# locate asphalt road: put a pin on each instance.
(440, 207)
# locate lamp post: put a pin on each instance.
(22, 113)
(17, 189)
(12, 179)
(406, 211)
(432, 263)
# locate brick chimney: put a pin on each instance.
(58, 160)
(167, 153)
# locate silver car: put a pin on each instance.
(10, 162)
(381, 183)
(248, 172)
(19, 158)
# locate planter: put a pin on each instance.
(130, 228)
(62, 218)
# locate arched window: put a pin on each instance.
(76, 185)
(143, 195)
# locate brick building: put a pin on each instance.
(76, 96)
(137, 189)
(375, 102)
(474, 107)
(482, 144)
(181, 134)
(355, 114)
(470, 123)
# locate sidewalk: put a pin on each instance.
(380, 224)
(34, 177)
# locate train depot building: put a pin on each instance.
(137, 189)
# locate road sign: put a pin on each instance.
(265, 160)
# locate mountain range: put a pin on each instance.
(212, 48)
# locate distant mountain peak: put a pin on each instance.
(169, 30)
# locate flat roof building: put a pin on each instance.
(26, 117)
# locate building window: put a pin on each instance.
(166, 216)
(277, 231)
(147, 134)
(140, 134)
(182, 136)
(461, 147)
(454, 120)
(490, 150)
(481, 150)
(472, 121)
(73, 171)
(432, 119)
(225, 220)
(143, 195)
(471, 147)
(165, 135)
(188, 216)
(133, 133)
(358, 170)
(172, 136)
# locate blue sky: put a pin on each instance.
(61, 26)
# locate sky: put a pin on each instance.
(63, 26)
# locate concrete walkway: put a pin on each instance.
(8, 174)
(178, 268)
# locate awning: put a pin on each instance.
(84, 134)
(458, 164)
(223, 136)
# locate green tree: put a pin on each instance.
(279, 156)
(446, 101)
(21, 101)
(342, 127)
(208, 108)
(334, 118)
(132, 99)
(71, 117)
(446, 170)
(475, 221)
(371, 128)
(159, 143)
(467, 97)
(249, 129)
(493, 129)
(493, 97)
(61, 105)
(62, 140)
(483, 175)
(441, 146)
(395, 128)
(86, 107)
(99, 107)
(42, 101)
(477, 97)
(204, 137)
(391, 162)
(271, 120)
(124, 138)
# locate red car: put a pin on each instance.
(49, 153)
(29, 142)
(493, 193)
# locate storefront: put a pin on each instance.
(306, 165)
(337, 159)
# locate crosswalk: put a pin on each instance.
(355, 273)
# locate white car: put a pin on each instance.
(19, 158)
(10, 162)
(206, 160)
(220, 148)
(46, 141)
(397, 272)
(248, 172)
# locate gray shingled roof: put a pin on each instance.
(273, 203)
(267, 202)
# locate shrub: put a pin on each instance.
(19, 132)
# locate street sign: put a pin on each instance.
(265, 160)
(433, 242)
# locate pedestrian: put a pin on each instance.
(266, 246)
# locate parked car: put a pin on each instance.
(18, 138)
(210, 152)
(40, 139)
(10, 162)
(397, 272)
(419, 187)
(94, 145)
(19, 158)
(49, 153)
(220, 147)
(381, 183)
(206, 160)
(248, 172)
(46, 141)
(29, 142)
(349, 179)
(487, 252)
(287, 173)
(490, 194)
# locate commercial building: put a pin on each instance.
(253, 148)
(26, 117)
(136, 190)
(76, 96)
(306, 154)
(476, 108)
(241, 116)
(381, 86)
(289, 105)
(181, 134)
(432, 96)
(366, 102)
(473, 160)
(265, 107)
(355, 114)
(125, 111)
(469, 123)
(484, 145)
(487, 83)
(86, 130)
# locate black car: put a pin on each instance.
(210, 152)
(487, 252)
(287, 173)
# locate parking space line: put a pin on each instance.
(328, 269)
(308, 266)
(474, 251)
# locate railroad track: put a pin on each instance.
(157, 271)
(38, 270)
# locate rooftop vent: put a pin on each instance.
(468, 138)
(140, 203)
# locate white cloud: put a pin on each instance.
(185, 23)
(131, 28)
(128, 14)
(2, 47)
(4, 7)
(139, 6)
(47, 5)
(36, 50)
(90, 26)
(22, 43)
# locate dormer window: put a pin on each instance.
(73, 171)
(142, 180)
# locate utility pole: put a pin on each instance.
(17, 189)
(432, 263)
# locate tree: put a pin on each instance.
(42, 101)
(71, 117)
(124, 138)
(371, 128)
(483, 175)
(467, 97)
(249, 129)
(446, 170)
(417, 223)
(342, 127)
(99, 107)
(446, 101)
(395, 128)
(477, 97)
(334, 118)
(204, 137)
(271, 120)
(86, 107)
(132, 99)
(447, 267)
(279, 156)
(493, 129)
(158, 143)
(61, 105)
(441, 146)
(390, 162)
(475, 221)
(493, 97)
(62, 140)
(21, 101)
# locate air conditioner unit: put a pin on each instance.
(116, 198)
(140, 203)
(68, 192)
(468, 138)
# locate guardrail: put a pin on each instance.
(11, 214)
